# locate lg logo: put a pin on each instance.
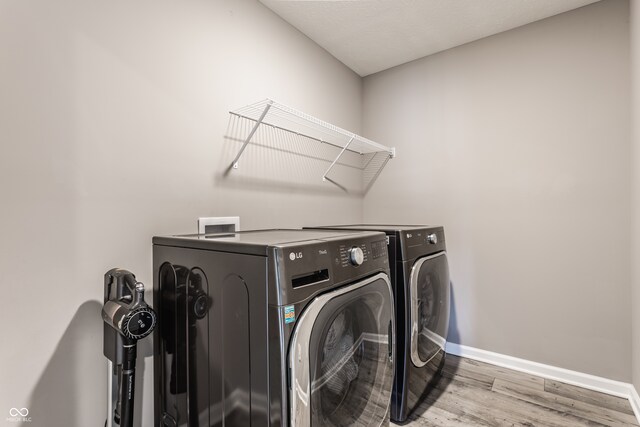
(295, 255)
(19, 415)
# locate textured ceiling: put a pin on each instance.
(372, 35)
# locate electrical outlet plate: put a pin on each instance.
(218, 224)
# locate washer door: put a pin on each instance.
(341, 357)
(429, 292)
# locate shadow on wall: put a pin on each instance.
(454, 332)
(72, 388)
(72, 391)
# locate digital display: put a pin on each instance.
(141, 324)
(379, 249)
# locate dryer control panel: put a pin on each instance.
(419, 242)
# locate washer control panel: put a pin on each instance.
(333, 260)
(357, 255)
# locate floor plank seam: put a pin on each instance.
(559, 412)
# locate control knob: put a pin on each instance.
(356, 256)
(432, 238)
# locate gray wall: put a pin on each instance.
(635, 253)
(519, 145)
(112, 124)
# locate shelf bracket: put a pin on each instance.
(324, 177)
(253, 131)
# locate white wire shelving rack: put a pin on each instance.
(373, 156)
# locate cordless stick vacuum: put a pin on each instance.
(127, 319)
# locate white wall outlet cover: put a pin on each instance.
(218, 224)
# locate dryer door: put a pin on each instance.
(341, 357)
(429, 292)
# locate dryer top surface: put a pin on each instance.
(390, 229)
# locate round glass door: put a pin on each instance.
(429, 291)
(350, 359)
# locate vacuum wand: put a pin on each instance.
(124, 409)
(127, 319)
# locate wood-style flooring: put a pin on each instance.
(472, 393)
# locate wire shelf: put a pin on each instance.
(349, 148)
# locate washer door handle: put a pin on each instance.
(391, 341)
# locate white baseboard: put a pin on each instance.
(634, 399)
(591, 382)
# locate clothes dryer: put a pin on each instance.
(420, 280)
(273, 328)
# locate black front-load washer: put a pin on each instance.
(273, 328)
(420, 281)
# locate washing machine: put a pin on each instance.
(420, 280)
(273, 328)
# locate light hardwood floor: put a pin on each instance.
(472, 393)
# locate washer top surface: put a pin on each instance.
(256, 242)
